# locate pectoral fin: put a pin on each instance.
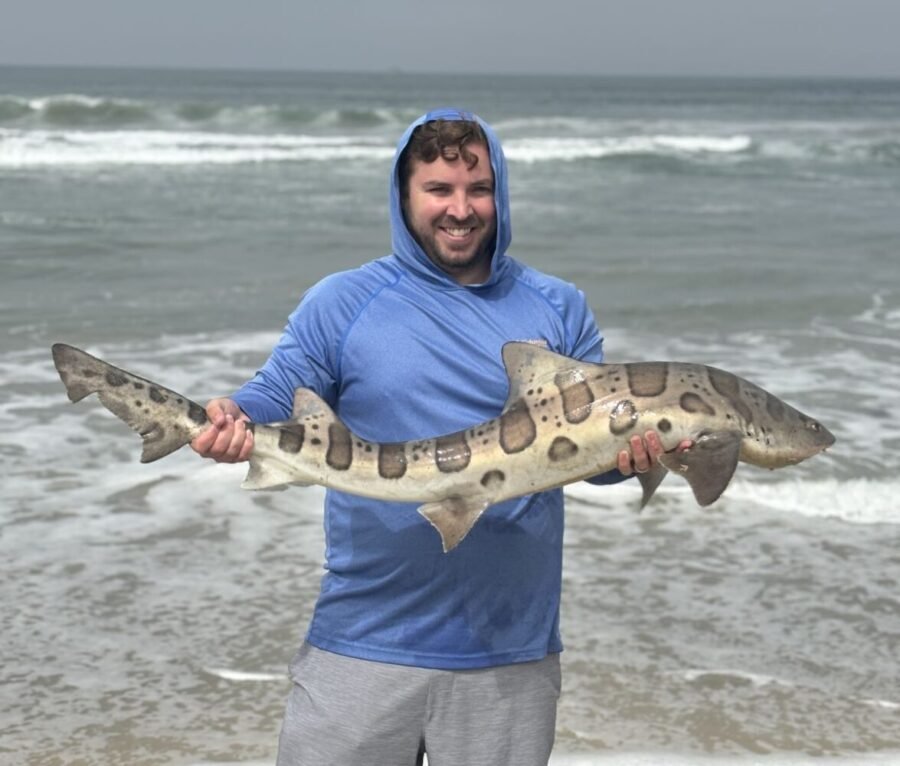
(453, 517)
(707, 466)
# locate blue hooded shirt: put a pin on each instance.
(401, 352)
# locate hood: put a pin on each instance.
(404, 245)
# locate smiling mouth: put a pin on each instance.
(458, 231)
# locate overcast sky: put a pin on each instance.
(718, 37)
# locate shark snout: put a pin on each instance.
(820, 438)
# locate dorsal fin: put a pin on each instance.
(308, 404)
(529, 366)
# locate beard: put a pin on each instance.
(469, 257)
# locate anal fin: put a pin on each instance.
(650, 480)
(268, 474)
(453, 517)
(708, 465)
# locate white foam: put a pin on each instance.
(228, 674)
(531, 150)
(856, 501)
(755, 679)
(47, 148)
(884, 704)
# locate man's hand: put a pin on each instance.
(644, 453)
(227, 439)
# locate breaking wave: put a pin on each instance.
(74, 129)
(80, 147)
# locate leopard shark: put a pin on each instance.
(564, 420)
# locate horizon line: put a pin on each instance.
(399, 71)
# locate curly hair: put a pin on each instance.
(439, 138)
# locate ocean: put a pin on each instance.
(168, 221)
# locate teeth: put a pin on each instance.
(457, 232)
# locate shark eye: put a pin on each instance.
(815, 426)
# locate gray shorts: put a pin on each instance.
(343, 711)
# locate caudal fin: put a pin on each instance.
(165, 419)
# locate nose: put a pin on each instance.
(459, 206)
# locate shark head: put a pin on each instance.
(780, 435)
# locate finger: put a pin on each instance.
(219, 449)
(639, 456)
(684, 445)
(246, 449)
(654, 446)
(238, 438)
(216, 413)
(623, 463)
(204, 442)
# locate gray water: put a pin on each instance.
(169, 222)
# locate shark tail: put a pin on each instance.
(165, 420)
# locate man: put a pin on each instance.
(411, 650)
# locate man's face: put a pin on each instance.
(450, 211)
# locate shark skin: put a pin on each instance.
(564, 421)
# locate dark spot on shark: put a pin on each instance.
(115, 378)
(577, 397)
(647, 378)
(562, 449)
(315, 441)
(158, 396)
(392, 460)
(493, 479)
(775, 407)
(728, 386)
(664, 425)
(452, 453)
(695, 404)
(623, 417)
(87, 372)
(517, 428)
(197, 413)
(340, 447)
(138, 386)
(290, 438)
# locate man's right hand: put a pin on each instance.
(227, 439)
